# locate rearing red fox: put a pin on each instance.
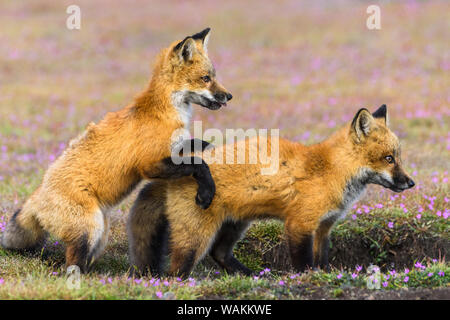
(107, 161)
(314, 186)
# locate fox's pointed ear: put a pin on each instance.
(203, 36)
(185, 49)
(382, 113)
(362, 124)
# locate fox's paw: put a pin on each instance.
(204, 197)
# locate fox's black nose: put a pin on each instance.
(411, 183)
(223, 97)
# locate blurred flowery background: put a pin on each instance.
(304, 67)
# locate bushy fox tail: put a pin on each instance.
(22, 232)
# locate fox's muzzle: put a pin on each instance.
(223, 97)
(401, 181)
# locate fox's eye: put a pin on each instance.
(389, 159)
(206, 79)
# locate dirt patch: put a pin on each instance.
(351, 249)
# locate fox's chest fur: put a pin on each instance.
(353, 190)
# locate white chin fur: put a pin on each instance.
(184, 108)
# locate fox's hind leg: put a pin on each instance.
(222, 249)
(84, 232)
(191, 233)
(23, 231)
(147, 229)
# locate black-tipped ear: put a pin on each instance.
(362, 123)
(381, 113)
(201, 35)
(185, 49)
(204, 37)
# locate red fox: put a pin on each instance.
(314, 187)
(105, 163)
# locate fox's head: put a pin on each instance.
(192, 74)
(378, 148)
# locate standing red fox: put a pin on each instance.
(106, 162)
(314, 187)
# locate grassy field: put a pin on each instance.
(302, 67)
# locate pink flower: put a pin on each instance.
(430, 274)
(391, 224)
(358, 268)
(385, 284)
(281, 283)
(2, 281)
(418, 265)
(419, 216)
(339, 276)
(354, 275)
(406, 271)
(441, 273)
(353, 216)
(406, 279)
(159, 294)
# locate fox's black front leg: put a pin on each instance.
(188, 147)
(301, 249)
(187, 166)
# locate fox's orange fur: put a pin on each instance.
(313, 187)
(106, 162)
